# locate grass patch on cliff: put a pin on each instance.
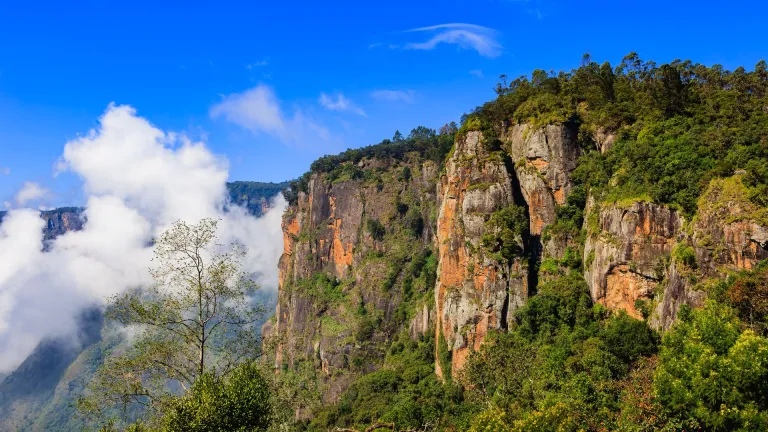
(731, 200)
(323, 289)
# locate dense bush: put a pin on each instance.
(714, 372)
(559, 366)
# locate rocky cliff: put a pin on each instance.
(640, 255)
(353, 270)
(352, 274)
(476, 291)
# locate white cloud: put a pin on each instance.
(341, 103)
(259, 111)
(467, 36)
(393, 95)
(5, 171)
(138, 180)
(476, 72)
(30, 191)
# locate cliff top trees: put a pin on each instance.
(196, 319)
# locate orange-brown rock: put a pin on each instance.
(474, 292)
(325, 236)
(729, 230)
(543, 159)
(626, 258)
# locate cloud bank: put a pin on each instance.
(484, 40)
(138, 180)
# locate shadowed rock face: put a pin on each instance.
(544, 159)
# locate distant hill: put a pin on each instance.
(254, 196)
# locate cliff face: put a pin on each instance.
(647, 252)
(354, 249)
(626, 252)
(61, 220)
(58, 221)
(729, 231)
(475, 292)
(346, 288)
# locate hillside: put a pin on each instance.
(568, 221)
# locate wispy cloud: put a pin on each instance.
(484, 40)
(476, 72)
(258, 110)
(394, 95)
(30, 191)
(5, 171)
(258, 64)
(340, 103)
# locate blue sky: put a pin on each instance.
(272, 86)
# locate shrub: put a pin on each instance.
(375, 229)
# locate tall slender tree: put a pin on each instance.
(197, 318)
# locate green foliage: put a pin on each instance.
(324, 290)
(560, 365)
(426, 143)
(713, 372)
(627, 338)
(405, 391)
(241, 402)
(375, 229)
(685, 255)
(747, 292)
(677, 125)
(505, 232)
(197, 318)
(562, 302)
(491, 420)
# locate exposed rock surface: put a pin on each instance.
(328, 234)
(729, 231)
(626, 256)
(627, 253)
(543, 160)
(474, 292)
